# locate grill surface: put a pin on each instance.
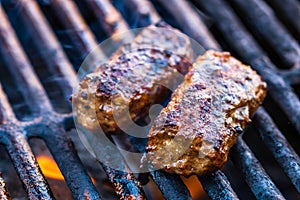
(34, 42)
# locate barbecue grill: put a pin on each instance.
(43, 43)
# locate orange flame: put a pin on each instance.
(50, 169)
(194, 187)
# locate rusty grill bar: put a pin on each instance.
(49, 123)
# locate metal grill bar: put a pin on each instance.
(144, 11)
(291, 76)
(43, 39)
(68, 16)
(6, 112)
(110, 21)
(256, 177)
(252, 53)
(217, 186)
(264, 23)
(26, 165)
(190, 23)
(276, 142)
(109, 18)
(130, 189)
(170, 185)
(126, 185)
(20, 67)
(13, 137)
(4, 194)
(61, 147)
(289, 9)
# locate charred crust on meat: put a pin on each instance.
(134, 76)
(212, 106)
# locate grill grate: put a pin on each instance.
(50, 122)
(256, 15)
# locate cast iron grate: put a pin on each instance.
(50, 121)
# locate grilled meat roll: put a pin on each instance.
(194, 132)
(124, 88)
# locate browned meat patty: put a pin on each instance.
(207, 112)
(132, 80)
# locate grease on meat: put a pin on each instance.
(194, 132)
(132, 79)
